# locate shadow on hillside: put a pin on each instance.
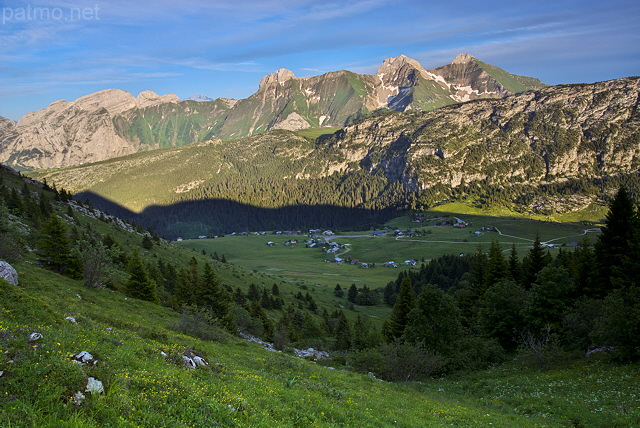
(218, 216)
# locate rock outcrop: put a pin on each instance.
(8, 273)
(71, 133)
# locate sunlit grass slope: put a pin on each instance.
(139, 362)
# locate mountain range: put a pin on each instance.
(557, 149)
(113, 123)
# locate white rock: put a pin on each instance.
(8, 273)
(78, 397)
(199, 361)
(72, 320)
(35, 336)
(94, 386)
(188, 362)
(83, 358)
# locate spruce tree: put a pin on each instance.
(536, 259)
(614, 242)
(352, 294)
(257, 312)
(54, 249)
(628, 274)
(139, 285)
(514, 264)
(405, 302)
(343, 333)
(212, 296)
(496, 267)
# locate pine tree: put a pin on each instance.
(533, 262)
(613, 242)
(343, 333)
(212, 296)
(139, 285)
(406, 301)
(54, 249)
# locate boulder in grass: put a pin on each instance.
(188, 362)
(199, 361)
(94, 386)
(8, 273)
(84, 358)
(33, 337)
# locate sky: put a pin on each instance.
(53, 50)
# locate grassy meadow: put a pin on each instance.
(138, 359)
(309, 265)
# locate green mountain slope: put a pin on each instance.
(171, 124)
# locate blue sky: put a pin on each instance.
(52, 50)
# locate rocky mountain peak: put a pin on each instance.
(463, 58)
(279, 76)
(114, 100)
(150, 98)
(391, 65)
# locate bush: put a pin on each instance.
(579, 322)
(200, 323)
(619, 325)
(368, 360)
(540, 350)
(476, 353)
(398, 362)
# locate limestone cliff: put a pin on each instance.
(71, 133)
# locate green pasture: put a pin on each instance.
(309, 265)
(304, 265)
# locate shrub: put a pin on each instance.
(200, 323)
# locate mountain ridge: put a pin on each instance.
(113, 123)
(573, 137)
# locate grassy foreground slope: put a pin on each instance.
(244, 385)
